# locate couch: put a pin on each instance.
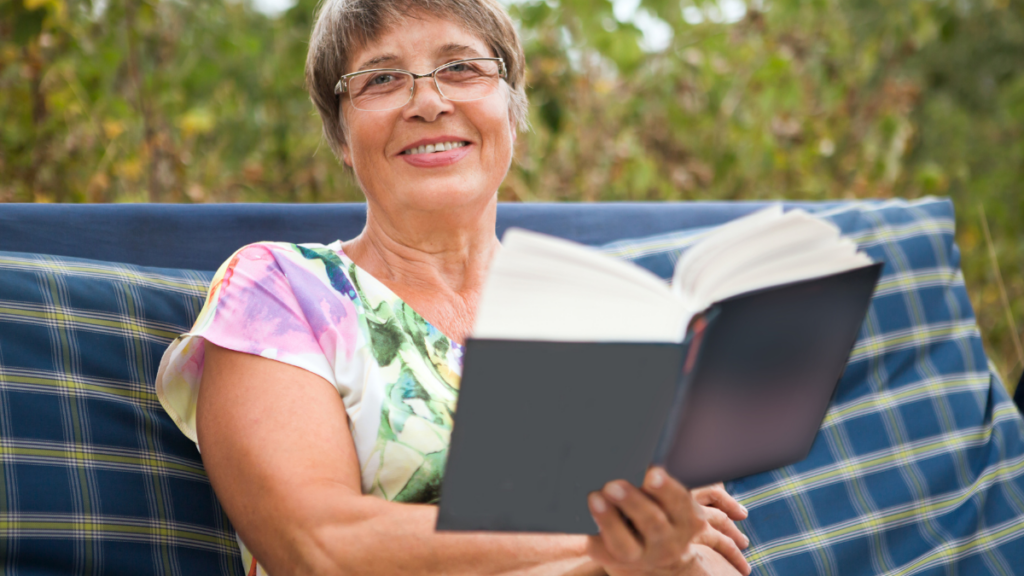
(918, 468)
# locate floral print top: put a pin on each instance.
(310, 306)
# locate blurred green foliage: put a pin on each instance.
(192, 101)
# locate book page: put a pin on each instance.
(545, 288)
(767, 248)
(712, 245)
(824, 261)
(790, 235)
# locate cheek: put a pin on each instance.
(500, 127)
(366, 136)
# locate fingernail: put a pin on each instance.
(744, 508)
(597, 503)
(615, 491)
(656, 478)
(746, 541)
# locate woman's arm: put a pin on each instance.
(276, 444)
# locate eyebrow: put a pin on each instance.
(378, 60)
(452, 48)
(446, 50)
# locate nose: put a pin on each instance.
(427, 103)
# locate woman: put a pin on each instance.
(319, 381)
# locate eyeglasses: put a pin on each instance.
(390, 88)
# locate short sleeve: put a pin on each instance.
(261, 302)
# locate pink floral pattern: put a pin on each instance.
(310, 306)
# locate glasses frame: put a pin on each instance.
(342, 86)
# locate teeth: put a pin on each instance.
(431, 148)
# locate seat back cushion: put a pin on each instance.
(94, 476)
(919, 465)
(918, 468)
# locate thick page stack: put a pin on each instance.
(584, 369)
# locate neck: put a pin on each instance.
(442, 253)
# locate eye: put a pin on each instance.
(462, 72)
(381, 79)
(377, 83)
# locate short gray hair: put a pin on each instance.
(344, 26)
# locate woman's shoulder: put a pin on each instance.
(271, 250)
(271, 299)
(270, 274)
(289, 264)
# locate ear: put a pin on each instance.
(346, 151)
(346, 155)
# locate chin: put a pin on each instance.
(448, 195)
(439, 192)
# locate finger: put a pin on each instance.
(616, 537)
(598, 552)
(674, 499)
(715, 495)
(705, 495)
(719, 521)
(645, 513)
(727, 548)
(719, 485)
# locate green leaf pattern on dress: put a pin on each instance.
(422, 368)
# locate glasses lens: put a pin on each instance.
(472, 80)
(382, 90)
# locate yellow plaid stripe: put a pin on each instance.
(920, 336)
(112, 272)
(59, 382)
(14, 451)
(83, 319)
(111, 528)
(891, 398)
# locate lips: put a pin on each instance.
(436, 152)
(434, 145)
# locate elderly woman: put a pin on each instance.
(320, 381)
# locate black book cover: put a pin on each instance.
(541, 424)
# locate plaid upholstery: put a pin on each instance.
(919, 466)
(94, 477)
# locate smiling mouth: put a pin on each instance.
(432, 148)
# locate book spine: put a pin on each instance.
(691, 344)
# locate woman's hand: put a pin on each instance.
(720, 509)
(658, 530)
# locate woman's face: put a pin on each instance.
(377, 143)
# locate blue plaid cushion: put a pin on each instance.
(919, 465)
(94, 477)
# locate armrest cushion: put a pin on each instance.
(94, 476)
(919, 465)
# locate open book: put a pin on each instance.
(582, 368)
(546, 288)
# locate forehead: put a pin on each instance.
(418, 40)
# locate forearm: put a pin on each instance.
(281, 459)
(392, 538)
(366, 535)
